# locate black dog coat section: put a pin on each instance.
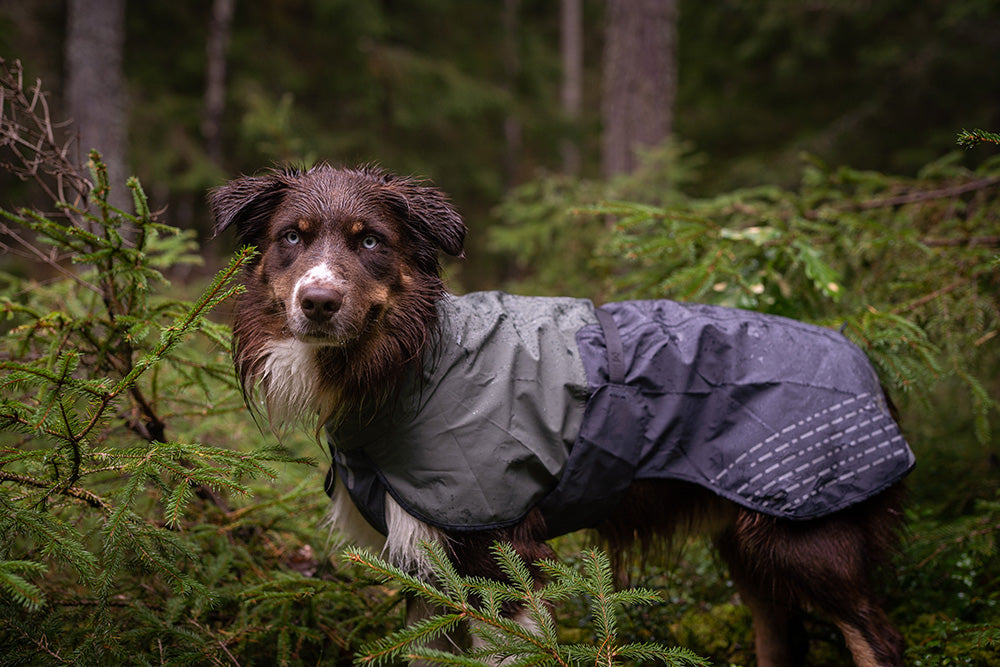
(529, 401)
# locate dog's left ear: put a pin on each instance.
(428, 213)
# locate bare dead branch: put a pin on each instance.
(86, 496)
(29, 134)
(928, 195)
(970, 241)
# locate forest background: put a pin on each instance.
(801, 159)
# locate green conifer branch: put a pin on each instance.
(971, 138)
(12, 583)
(502, 638)
(66, 392)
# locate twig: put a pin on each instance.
(86, 496)
(927, 195)
(912, 198)
(47, 259)
(987, 241)
(958, 540)
(221, 644)
(42, 645)
(33, 140)
(927, 298)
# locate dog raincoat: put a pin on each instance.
(551, 402)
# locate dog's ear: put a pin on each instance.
(248, 202)
(427, 212)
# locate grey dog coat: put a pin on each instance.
(550, 402)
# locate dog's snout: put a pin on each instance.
(320, 303)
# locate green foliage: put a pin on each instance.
(970, 138)
(880, 86)
(480, 603)
(907, 265)
(949, 590)
(548, 228)
(95, 365)
(541, 229)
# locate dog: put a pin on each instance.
(586, 417)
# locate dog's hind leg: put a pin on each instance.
(872, 639)
(834, 578)
(779, 638)
(821, 565)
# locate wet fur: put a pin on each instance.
(395, 310)
(385, 318)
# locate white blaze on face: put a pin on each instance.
(321, 275)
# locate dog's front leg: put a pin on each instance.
(458, 640)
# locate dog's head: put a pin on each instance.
(348, 265)
(337, 246)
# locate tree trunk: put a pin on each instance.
(215, 77)
(95, 39)
(639, 79)
(571, 37)
(512, 129)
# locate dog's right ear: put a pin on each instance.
(248, 202)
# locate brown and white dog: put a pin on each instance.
(339, 312)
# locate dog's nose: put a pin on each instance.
(319, 304)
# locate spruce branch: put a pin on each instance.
(503, 639)
(972, 138)
(86, 496)
(12, 583)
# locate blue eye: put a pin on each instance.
(292, 236)
(369, 242)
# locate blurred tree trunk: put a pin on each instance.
(215, 77)
(512, 130)
(639, 79)
(95, 39)
(571, 38)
